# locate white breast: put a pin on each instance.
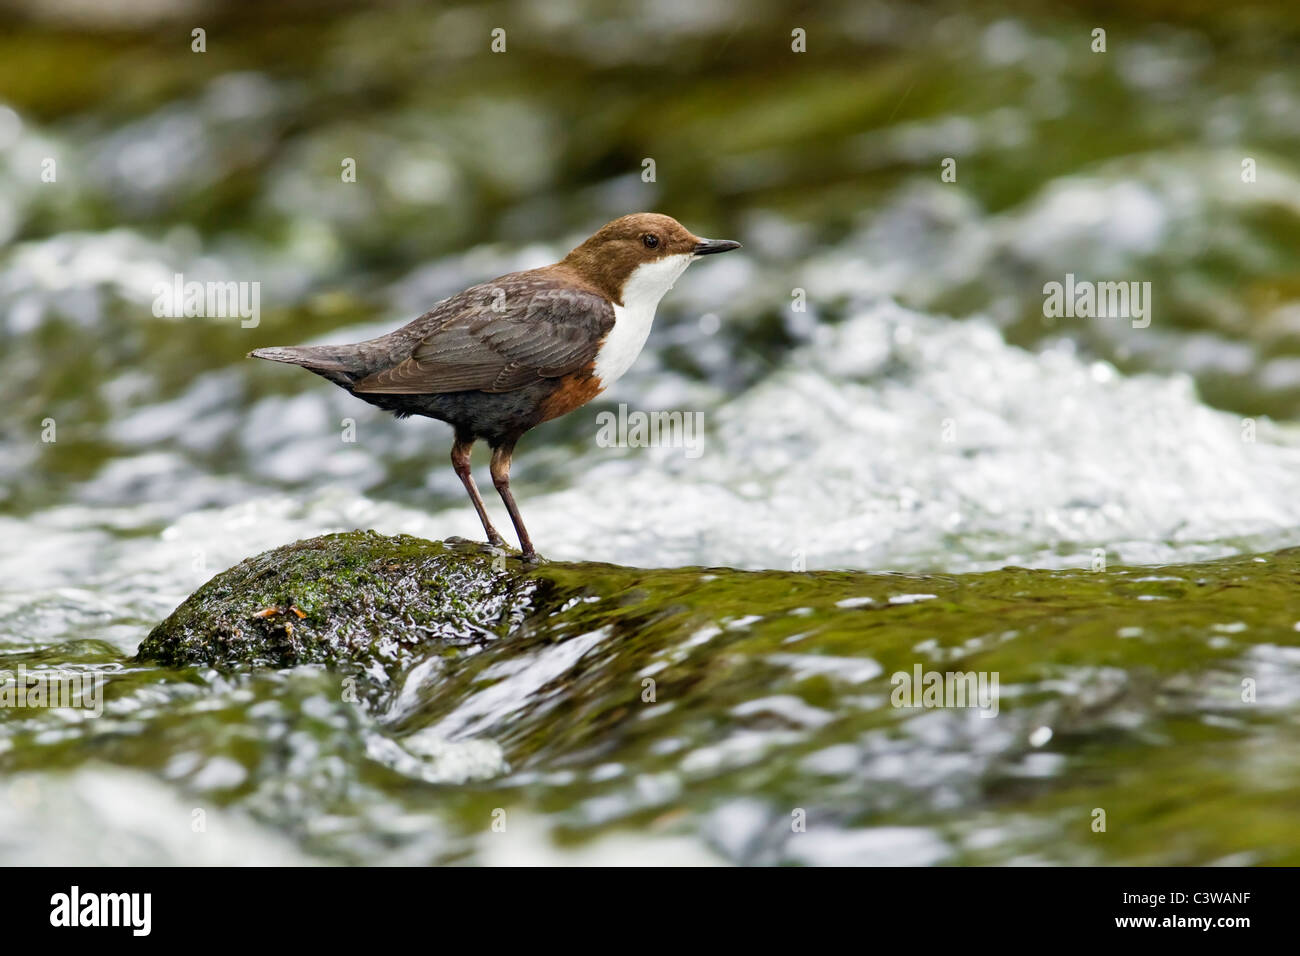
(632, 320)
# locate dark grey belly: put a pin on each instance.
(497, 417)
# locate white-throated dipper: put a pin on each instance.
(501, 357)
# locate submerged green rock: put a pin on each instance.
(361, 598)
(720, 702)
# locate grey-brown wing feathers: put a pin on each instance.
(498, 337)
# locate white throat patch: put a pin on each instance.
(632, 320)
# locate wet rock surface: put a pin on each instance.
(350, 597)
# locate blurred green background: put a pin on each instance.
(1116, 165)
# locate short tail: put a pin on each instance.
(322, 359)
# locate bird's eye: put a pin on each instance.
(651, 241)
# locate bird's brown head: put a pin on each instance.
(619, 250)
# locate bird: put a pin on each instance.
(504, 356)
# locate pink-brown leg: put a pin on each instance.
(501, 478)
(460, 461)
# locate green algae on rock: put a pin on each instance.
(358, 596)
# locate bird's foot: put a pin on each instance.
(497, 541)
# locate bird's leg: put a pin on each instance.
(501, 478)
(460, 461)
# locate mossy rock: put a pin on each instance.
(360, 597)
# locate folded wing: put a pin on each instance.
(501, 336)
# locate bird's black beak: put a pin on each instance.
(707, 247)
